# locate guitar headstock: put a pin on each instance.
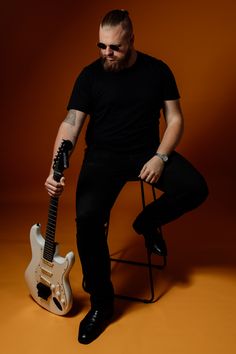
(61, 161)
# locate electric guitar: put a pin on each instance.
(47, 275)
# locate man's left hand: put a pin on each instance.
(152, 170)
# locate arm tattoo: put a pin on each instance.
(71, 117)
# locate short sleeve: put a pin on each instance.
(169, 87)
(80, 98)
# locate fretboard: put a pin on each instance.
(49, 247)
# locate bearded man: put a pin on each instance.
(123, 93)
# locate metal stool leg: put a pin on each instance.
(148, 264)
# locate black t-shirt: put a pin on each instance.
(124, 106)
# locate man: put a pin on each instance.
(123, 93)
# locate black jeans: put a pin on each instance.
(103, 174)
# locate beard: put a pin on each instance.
(116, 64)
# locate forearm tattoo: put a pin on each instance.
(71, 117)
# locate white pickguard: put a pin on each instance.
(54, 275)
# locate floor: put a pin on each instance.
(196, 308)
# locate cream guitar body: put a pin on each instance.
(48, 282)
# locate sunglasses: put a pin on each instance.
(114, 47)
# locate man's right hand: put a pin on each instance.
(69, 130)
(54, 188)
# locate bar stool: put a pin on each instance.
(148, 264)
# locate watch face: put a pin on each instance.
(165, 158)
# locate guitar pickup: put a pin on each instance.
(46, 272)
(50, 264)
(45, 280)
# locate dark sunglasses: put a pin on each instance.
(115, 47)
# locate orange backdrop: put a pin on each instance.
(46, 44)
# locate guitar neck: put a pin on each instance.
(49, 247)
(60, 163)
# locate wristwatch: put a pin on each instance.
(163, 157)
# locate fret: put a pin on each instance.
(52, 222)
(50, 235)
(52, 214)
(52, 217)
(53, 208)
(49, 246)
(50, 229)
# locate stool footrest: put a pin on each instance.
(150, 267)
(142, 264)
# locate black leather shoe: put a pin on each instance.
(93, 324)
(155, 242)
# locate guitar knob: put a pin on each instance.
(52, 287)
(63, 301)
(58, 293)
